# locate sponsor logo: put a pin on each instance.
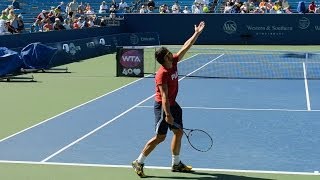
(134, 39)
(229, 27)
(174, 76)
(304, 23)
(90, 44)
(71, 48)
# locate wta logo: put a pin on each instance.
(131, 58)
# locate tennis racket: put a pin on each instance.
(197, 138)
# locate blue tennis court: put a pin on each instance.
(259, 120)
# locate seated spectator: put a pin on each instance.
(88, 7)
(312, 7)
(103, 22)
(20, 24)
(113, 3)
(14, 22)
(123, 5)
(11, 15)
(66, 24)
(81, 8)
(3, 27)
(142, 10)
(112, 9)
(76, 24)
(186, 10)
(103, 7)
(175, 7)
(47, 26)
(85, 23)
(4, 16)
(10, 28)
(43, 15)
(151, 3)
(284, 4)
(301, 8)
(57, 25)
(288, 10)
(36, 26)
(15, 4)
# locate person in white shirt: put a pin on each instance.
(123, 5)
(186, 10)
(143, 9)
(175, 7)
(103, 7)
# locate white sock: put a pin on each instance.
(141, 158)
(175, 159)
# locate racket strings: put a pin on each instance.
(200, 140)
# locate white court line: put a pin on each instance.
(68, 111)
(158, 167)
(239, 109)
(306, 86)
(115, 118)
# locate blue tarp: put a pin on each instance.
(37, 56)
(10, 61)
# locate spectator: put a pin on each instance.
(36, 26)
(312, 7)
(20, 24)
(11, 15)
(47, 26)
(81, 8)
(113, 2)
(301, 8)
(3, 28)
(76, 24)
(67, 24)
(4, 16)
(103, 22)
(151, 3)
(57, 25)
(73, 8)
(112, 9)
(142, 10)
(10, 28)
(123, 5)
(43, 15)
(15, 4)
(288, 10)
(85, 23)
(186, 10)
(175, 7)
(103, 7)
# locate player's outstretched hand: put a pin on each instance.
(198, 29)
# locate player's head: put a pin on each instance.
(163, 54)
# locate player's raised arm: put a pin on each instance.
(187, 45)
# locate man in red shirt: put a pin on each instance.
(166, 109)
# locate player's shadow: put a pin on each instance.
(210, 176)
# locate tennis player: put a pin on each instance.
(166, 109)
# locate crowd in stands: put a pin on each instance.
(268, 6)
(72, 15)
(198, 6)
(78, 15)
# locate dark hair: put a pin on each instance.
(160, 54)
